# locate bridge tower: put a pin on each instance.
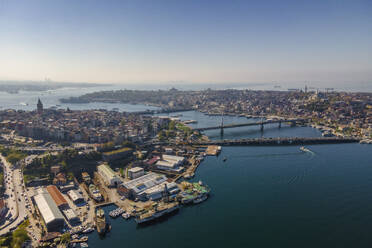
(262, 125)
(221, 125)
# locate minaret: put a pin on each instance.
(39, 107)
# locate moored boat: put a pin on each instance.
(157, 212)
(100, 221)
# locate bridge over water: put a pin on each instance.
(259, 123)
(280, 141)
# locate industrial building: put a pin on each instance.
(57, 196)
(170, 163)
(76, 197)
(138, 186)
(158, 191)
(49, 211)
(71, 216)
(135, 172)
(108, 175)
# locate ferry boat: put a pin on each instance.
(100, 221)
(157, 212)
(94, 192)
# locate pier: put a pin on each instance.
(280, 141)
(292, 122)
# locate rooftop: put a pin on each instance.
(47, 207)
(105, 168)
(56, 195)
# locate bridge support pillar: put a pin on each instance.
(262, 127)
(221, 132)
(280, 124)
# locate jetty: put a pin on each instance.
(279, 141)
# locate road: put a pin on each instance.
(16, 201)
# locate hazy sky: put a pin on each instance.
(191, 41)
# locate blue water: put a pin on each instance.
(267, 197)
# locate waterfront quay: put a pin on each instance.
(281, 141)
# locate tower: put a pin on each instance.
(39, 107)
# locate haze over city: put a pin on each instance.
(186, 41)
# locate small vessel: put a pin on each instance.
(304, 149)
(224, 159)
(100, 221)
(88, 230)
(126, 215)
(84, 244)
(116, 212)
(94, 192)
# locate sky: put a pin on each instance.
(186, 41)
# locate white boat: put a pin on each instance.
(88, 230)
(84, 244)
(126, 216)
(304, 149)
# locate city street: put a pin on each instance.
(16, 201)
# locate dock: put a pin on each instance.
(212, 149)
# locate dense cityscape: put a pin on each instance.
(156, 124)
(62, 166)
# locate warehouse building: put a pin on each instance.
(71, 216)
(108, 175)
(76, 197)
(138, 186)
(171, 163)
(57, 196)
(135, 172)
(163, 189)
(49, 211)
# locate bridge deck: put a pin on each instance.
(248, 124)
(281, 141)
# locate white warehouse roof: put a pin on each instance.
(145, 182)
(48, 208)
(74, 195)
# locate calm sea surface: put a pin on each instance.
(267, 197)
(261, 196)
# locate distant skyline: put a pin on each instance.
(186, 41)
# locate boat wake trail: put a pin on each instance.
(269, 155)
